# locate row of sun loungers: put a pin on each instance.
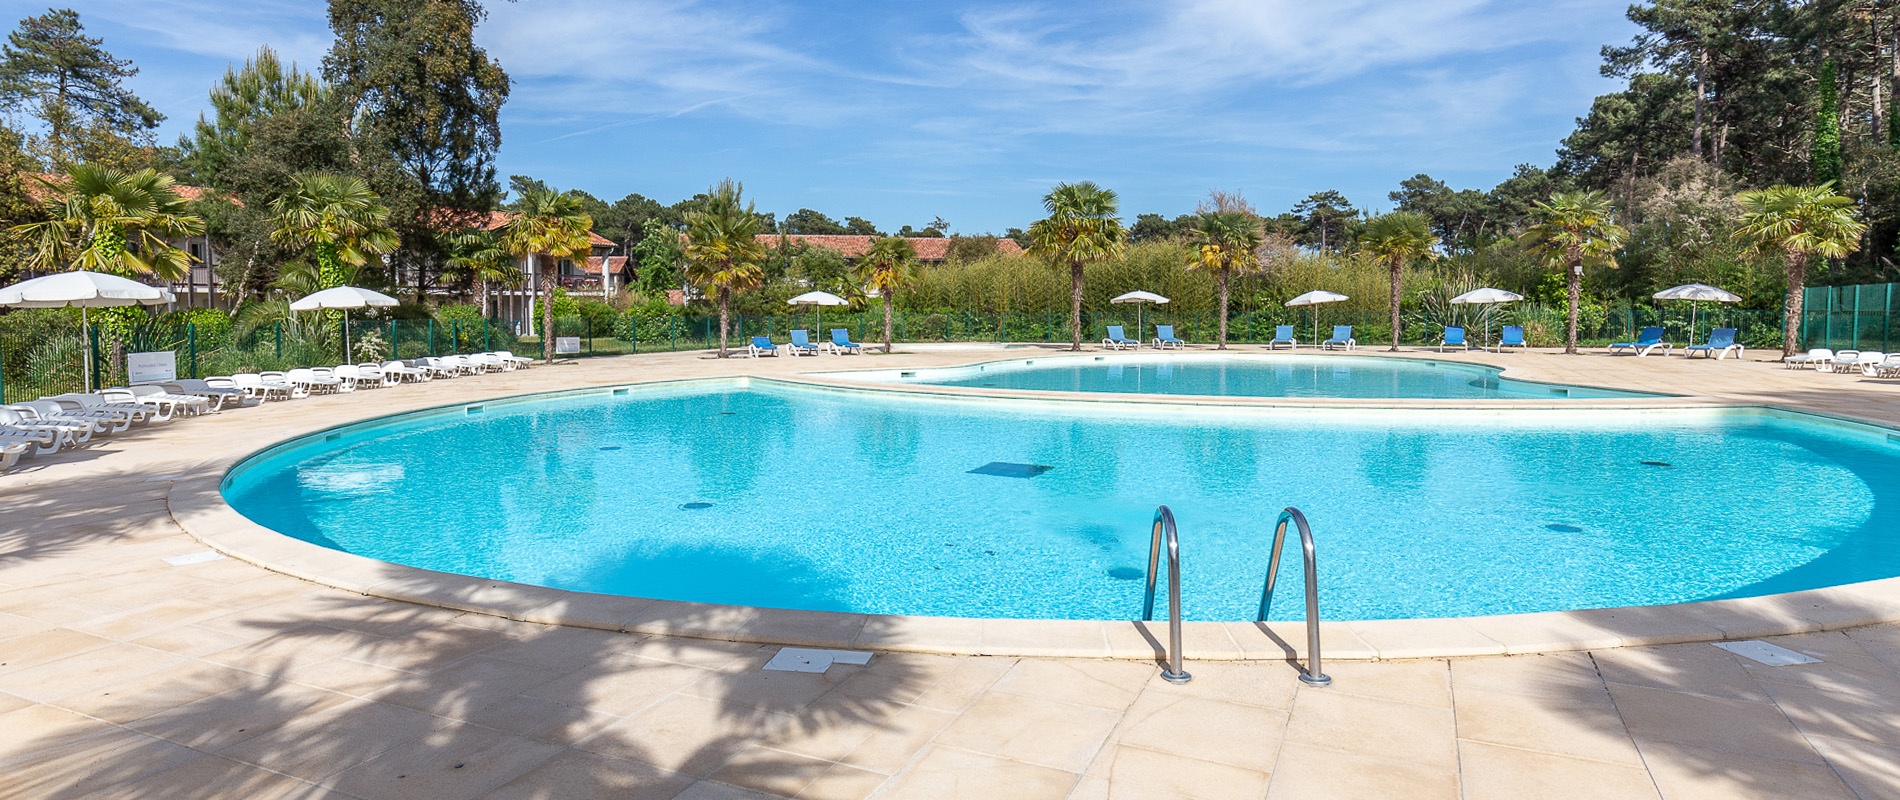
(49, 424)
(1869, 363)
(801, 345)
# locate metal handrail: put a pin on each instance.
(1313, 674)
(1164, 523)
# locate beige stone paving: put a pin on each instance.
(124, 677)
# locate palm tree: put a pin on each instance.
(550, 226)
(1801, 222)
(1230, 243)
(723, 252)
(1082, 227)
(1574, 228)
(336, 220)
(889, 264)
(476, 257)
(1394, 240)
(106, 220)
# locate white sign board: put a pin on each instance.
(151, 367)
(567, 345)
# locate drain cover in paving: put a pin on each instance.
(1005, 469)
(802, 659)
(1773, 655)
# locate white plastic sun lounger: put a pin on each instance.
(519, 362)
(1863, 364)
(195, 387)
(1813, 359)
(68, 406)
(77, 402)
(169, 405)
(10, 453)
(47, 415)
(45, 437)
(403, 372)
(256, 385)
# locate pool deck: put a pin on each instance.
(122, 675)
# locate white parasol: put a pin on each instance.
(1142, 298)
(1697, 294)
(1315, 298)
(344, 298)
(83, 290)
(1487, 296)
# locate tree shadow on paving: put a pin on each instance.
(381, 699)
(1702, 719)
(45, 519)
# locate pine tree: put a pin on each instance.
(1825, 156)
(71, 84)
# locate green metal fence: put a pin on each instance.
(1851, 317)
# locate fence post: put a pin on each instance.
(1886, 328)
(1827, 320)
(487, 346)
(278, 326)
(191, 340)
(3, 371)
(432, 336)
(92, 333)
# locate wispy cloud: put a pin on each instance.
(894, 101)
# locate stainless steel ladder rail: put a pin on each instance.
(1313, 674)
(1164, 526)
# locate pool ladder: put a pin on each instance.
(1164, 526)
(1313, 675)
(1164, 532)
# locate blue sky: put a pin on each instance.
(901, 112)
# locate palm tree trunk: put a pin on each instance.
(481, 285)
(1075, 305)
(1575, 283)
(547, 310)
(1398, 270)
(1791, 306)
(888, 297)
(725, 317)
(1223, 312)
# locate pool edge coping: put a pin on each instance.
(197, 504)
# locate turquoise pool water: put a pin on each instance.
(1265, 375)
(769, 494)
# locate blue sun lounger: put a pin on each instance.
(1283, 335)
(1649, 339)
(841, 342)
(1721, 341)
(1513, 337)
(801, 344)
(1454, 337)
(1117, 341)
(1164, 338)
(1342, 337)
(761, 346)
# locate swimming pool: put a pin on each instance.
(770, 494)
(1244, 375)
